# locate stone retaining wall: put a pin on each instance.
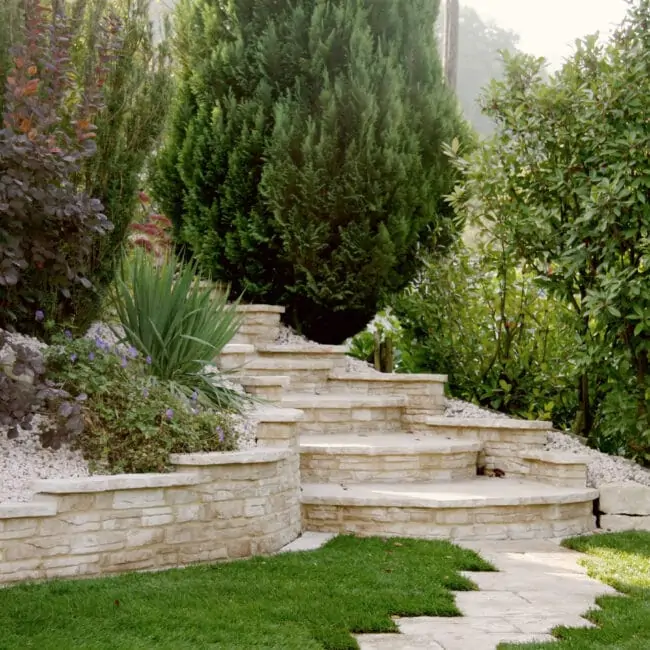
(624, 506)
(500, 522)
(217, 506)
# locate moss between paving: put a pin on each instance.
(621, 560)
(294, 601)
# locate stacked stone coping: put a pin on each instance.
(624, 506)
(259, 323)
(217, 506)
(385, 459)
(515, 447)
(336, 414)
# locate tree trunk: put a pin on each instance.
(452, 24)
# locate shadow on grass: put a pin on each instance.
(294, 601)
(621, 560)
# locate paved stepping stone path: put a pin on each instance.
(539, 586)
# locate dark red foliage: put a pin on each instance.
(47, 226)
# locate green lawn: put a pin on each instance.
(295, 601)
(622, 560)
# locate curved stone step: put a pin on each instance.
(331, 414)
(385, 458)
(482, 508)
(554, 467)
(502, 439)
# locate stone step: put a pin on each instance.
(332, 414)
(304, 373)
(425, 394)
(234, 356)
(502, 439)
(482, 508)
(302, 350)
(557, 468)
(267, 387)
(386, 458)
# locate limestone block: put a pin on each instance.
(621, 523)
(625, 499)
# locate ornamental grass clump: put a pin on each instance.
(178, 325)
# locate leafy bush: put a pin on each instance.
(137, 92)
(563, 179)
(49, 226)
(304, 161)
(178, 324)
(504, 343)
(111, 74)
(379, 343)
(131, 422)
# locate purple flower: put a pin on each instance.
(100, 343)
(145, 392)
(169, 414)
(39, 315)
(91, 356)
(148, 360)
(195, 396)
(82, 397)
(73, 357)
(124, 362)
(132, 352)
(68, 334)
(65, 409)
(221, 434)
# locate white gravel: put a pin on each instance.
(288, 336)
(602, 468)
(23, 459)
(456, 408)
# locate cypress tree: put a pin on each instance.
(304, 162)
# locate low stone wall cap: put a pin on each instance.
(259, 455)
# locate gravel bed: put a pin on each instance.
(23, 459)
(602, 468)
(456, 408)
(288, 336)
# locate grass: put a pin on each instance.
(294, 601)
(621, 560)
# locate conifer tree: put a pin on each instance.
(304, 162)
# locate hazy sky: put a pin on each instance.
(549, 27)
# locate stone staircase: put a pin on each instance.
(379, 457)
